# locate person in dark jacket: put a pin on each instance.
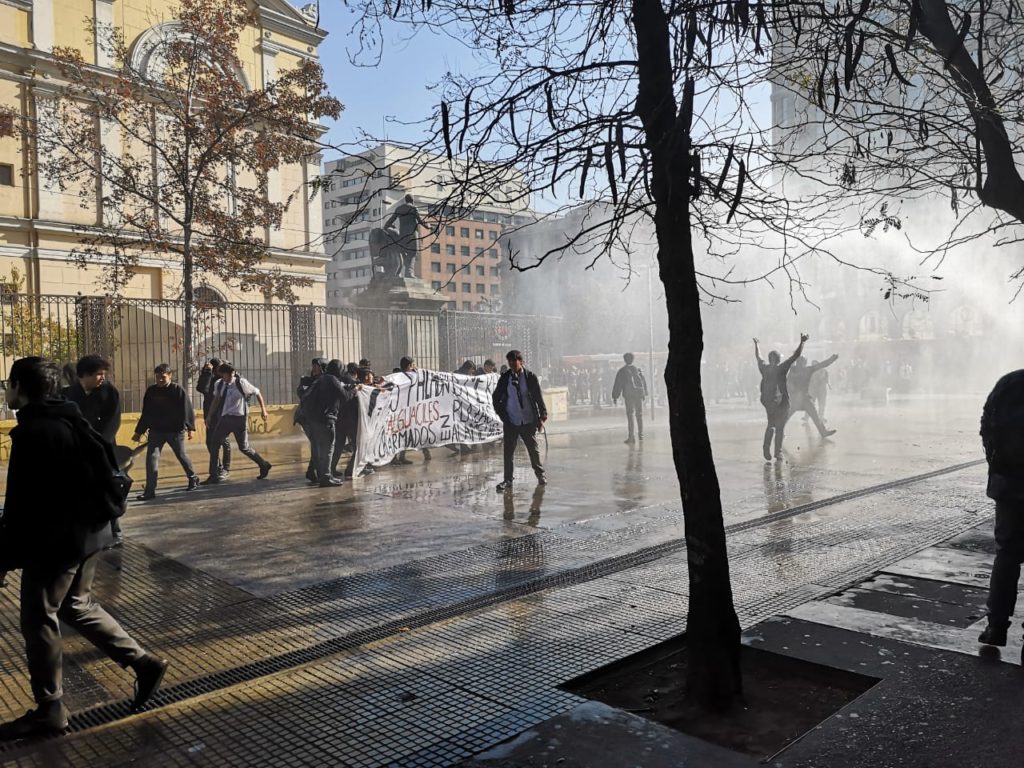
(775, 395)
(205, 385)
(316, 370)
(100, 404)
(97, 399)
(167, 415)
(799, 386)
(57, 554)
(321, 407)
(1002, 436)
(520, 406)
(631, 386)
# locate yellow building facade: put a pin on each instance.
(38, 221)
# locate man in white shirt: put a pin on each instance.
(229, 414)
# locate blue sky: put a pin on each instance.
(397, 88)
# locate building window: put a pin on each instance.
(451, 287)
(493, 253)
(467, 288)
(495, 272)
(478, 234)
(481, 288)
(436, 285)
(435, 266)
(479, 251)
(480, 270)
(451, 269)
(435, 247)
(464, 231)
(468, 306)
(492, 234)
(464, 250)
(450, 231)
(450, 250)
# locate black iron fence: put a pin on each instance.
(272, 344)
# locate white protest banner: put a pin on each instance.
(425, 409)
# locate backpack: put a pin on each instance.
(105, 485)
(771, 392)
(636, 381)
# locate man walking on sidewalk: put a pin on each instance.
(167, 415)
(520, 406)
(205, 385)
(49, 530)
(631, 387)
(229, 415)
(1002, 435)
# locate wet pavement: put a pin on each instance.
(416, 616)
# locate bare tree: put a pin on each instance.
(181, 151)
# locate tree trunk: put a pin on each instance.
(713, 631)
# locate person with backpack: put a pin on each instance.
(775, 395)
(519, 403)
(632, 388)
(54, 533)
(205, 386)
(168, 416)
(229, 415)
(1002, 436)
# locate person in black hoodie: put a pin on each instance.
(205, 385)
(100, 404)
(316, 370)
(1002, 435)
(320, 409)
(520, 406)
(167, 415)
(43, 534)
(631, 386)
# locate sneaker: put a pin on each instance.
(48, 720)
(117, 543)
(778, 456)
(829, 433)
(330, 482)
(224, 474)
(397, 461)
(640, 438)
(767, 454)
(629, 441)
(149, 673)
(264, 471)
(504, 485)
(426, 454)
(193, 483)
(542, 480)
(145, 497)
(211, 480)
(311, 475)
(993, 634)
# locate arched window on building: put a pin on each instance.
(917, 324)
(208, 296)
(871, 327)
(965, 320)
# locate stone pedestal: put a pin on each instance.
(401, 318)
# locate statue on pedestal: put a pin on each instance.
(397, 251)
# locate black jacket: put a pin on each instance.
(324, 400)
(166, 409)
(500, 396)
(623, 386)
(38, 529)
(101, 408)
(1002, 435)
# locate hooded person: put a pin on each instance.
(306, 383)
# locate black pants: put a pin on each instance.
(528, 434)
(1002, 591)
(635, 412)
(777, 415)
(48, 599)
(324, 438)
(807, 406)
(313, 445)
(237, 426)
(157, 440)
(215, 449)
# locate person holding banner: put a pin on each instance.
(520, 406)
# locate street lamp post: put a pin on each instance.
(650, 325)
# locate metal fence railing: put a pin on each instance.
(271, 343)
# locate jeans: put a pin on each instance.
(635, 412)
(216, 448)
(237, 426)
(46, 600)
(528, 433)
(778, 415)
(157, 440)
(1009, 534)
